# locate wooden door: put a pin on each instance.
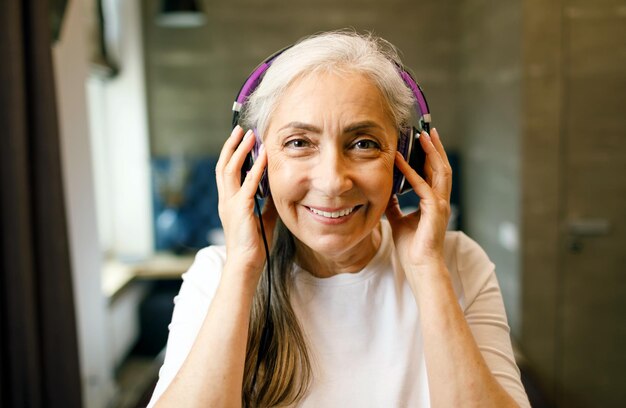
(592, 356)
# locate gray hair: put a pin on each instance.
(332, 52)
(284, 372)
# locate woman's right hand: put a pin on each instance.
(244, 244)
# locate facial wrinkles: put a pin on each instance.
(333, 174)
(331, 164)
(328, 137)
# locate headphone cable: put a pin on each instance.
(264, 343)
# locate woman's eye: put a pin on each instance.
(297, 143)
(366, 144)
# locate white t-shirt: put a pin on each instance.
(363, 329)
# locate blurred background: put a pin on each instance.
(528, 95)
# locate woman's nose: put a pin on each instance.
(332, 175)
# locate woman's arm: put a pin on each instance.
(212, 373)
(457, 372)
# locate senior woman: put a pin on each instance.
(365, 311)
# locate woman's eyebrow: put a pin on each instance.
(353, 127)
(367, 124)
(301, 125)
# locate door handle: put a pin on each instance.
(593, 227)
(585, 228)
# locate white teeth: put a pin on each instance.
(334, 214)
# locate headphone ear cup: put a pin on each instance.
(411, 149)
(403, 149)
(417, 157)
(263, 190)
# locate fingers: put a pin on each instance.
(420, 186)
(437, 160)
(251, 182)
(229, 147)
(234, 165)
(436, 140)
(232, 157)
(429, 196)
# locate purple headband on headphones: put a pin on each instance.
(253, 82)
(255, 78)
(422, 105)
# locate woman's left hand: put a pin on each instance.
(419, 236)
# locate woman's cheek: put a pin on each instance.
(383, 179)
(278, 168)
(285, 176)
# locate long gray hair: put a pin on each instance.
(285, 372)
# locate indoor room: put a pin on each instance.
(124, 141)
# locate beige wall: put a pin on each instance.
(193, 74)
(540, 183)
(490, 121)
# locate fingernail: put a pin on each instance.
(235, 130)
(247, 135)
(425, 135)
(261, 149)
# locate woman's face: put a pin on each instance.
(331, 145)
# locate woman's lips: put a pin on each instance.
(332, 215)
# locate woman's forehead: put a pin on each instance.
(324, 96)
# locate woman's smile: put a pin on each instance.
(332, 216)
(331, 146)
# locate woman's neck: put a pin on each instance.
(349, 261)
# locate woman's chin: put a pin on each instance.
(334, 245)
(328, 247)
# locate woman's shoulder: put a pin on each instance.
(469, 265)
(213, 253)
(206, 270)
(462, 252)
